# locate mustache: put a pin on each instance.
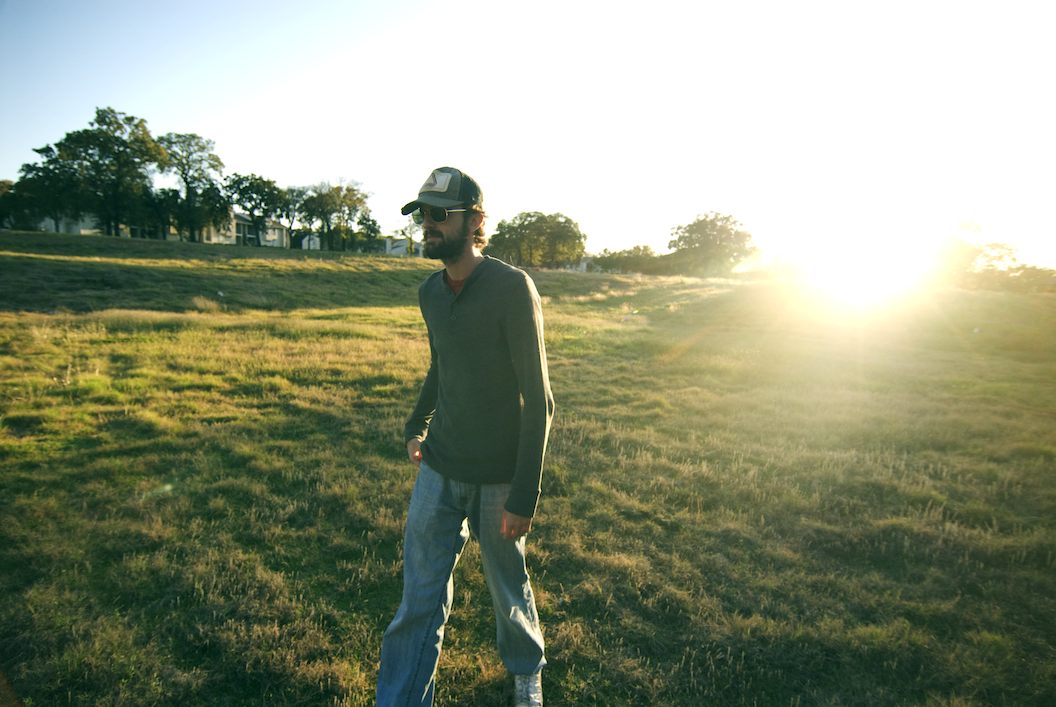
(433, 233)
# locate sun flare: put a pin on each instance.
(863, 280)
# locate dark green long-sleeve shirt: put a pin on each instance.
(485, 407)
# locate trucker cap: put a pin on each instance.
(447, 187)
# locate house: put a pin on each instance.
(399, 246)
(585, 264)
(88, 225)
(83, 225)
(241, 231)
(238, 231)
(387, 245)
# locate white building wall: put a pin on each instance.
(398, 246)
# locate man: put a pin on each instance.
(478, 435)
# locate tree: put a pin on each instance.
(258, 197)
(110, 164)
(712, 245)
(161, 207)
(369, 234)
(534, 239)
(352, 211)
(291, 206)
(199, 169)
(336, 209)
(215, 205)
(996, 267)
(320, 207)
(47, 190)
(993, 257)
(640, 259)
(7, 203)
(407, 233)
(14, 207)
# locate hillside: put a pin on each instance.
(749, 499)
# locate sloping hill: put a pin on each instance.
(48, 272)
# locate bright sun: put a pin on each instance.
(864, 279)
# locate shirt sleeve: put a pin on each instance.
(524, 336)
(417, 424)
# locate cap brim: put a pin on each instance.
(430, 200)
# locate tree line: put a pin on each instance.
(713, 244)
(107, 171)
(993, 266)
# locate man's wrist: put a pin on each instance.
(521, 509)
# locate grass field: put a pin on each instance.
(747, 500)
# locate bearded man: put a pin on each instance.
(477, 435)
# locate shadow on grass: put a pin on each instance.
(251, 561)
(45, 285)
(47, 272)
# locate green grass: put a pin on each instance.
(748, 500)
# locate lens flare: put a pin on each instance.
(865, 279)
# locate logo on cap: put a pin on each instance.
(438, 181)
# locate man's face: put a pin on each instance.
(447, 240)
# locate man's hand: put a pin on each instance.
(414, 450)
(514, 526)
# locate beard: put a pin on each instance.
(446, 249)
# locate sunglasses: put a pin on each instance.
(437, 214)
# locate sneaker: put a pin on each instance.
(528, 690)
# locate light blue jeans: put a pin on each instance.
(435, 534)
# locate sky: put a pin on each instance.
(823, 127)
